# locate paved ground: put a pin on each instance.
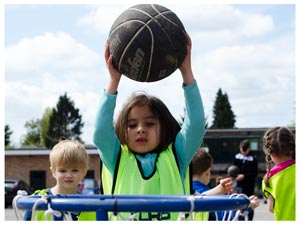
(261, 213)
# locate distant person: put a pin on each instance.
(68, 164)
(201, 167)
(279, 184)
(248, 170)
(80, 187)
(201, 174)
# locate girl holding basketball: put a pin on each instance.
(279, 185)
(146, 151)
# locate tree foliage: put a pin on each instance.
(8, 133)
(45, 123)
(64, 122)
(32, 137)
(223, 116)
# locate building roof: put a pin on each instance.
(41, 151)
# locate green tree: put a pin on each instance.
(45, 123)
(8, 133)
(33, 135)
(223, 116)
(64, 122)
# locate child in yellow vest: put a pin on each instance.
(279, 184)
(146, 151)
(68, 165)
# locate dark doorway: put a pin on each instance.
(90, 174)
(38, 179)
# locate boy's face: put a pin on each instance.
(143, 130)
(207, 177)
(67, 178)
(246, 152)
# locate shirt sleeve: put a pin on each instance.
(190, 137)
(104, 137)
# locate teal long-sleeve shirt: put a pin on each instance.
(187, 141)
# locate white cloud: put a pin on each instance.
(206, 21)
(222, 23)
(49, 50)
(257, 78)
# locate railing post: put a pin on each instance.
(101, 215)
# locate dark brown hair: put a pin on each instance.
(201, 162)
(169, 127)
(244, 145)
(279, 141)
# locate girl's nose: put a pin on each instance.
(140, 129)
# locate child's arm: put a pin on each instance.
(186, 67)
(104, 135)
(192, 131)
(225, 187)
(115, 75)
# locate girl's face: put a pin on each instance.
(143, 130)
(67, 179)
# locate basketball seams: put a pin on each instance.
(160, 30)
(132, 39)
(153, 18)
(162, 14)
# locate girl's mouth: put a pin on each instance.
(141, 140)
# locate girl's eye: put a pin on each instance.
(150, 124)
(131, 126)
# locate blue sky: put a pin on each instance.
(247, 50)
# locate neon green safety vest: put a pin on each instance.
(166, 180)
(201, 216)
(40, 214)
(283, 189)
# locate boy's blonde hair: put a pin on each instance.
(69, 153)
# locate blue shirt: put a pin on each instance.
(200, 187)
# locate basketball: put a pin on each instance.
(147, 42)
(233, 171)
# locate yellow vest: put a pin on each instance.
(166, 180)
(283, 189)
(40, 214)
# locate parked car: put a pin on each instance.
(11, 188)
(90, 186)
